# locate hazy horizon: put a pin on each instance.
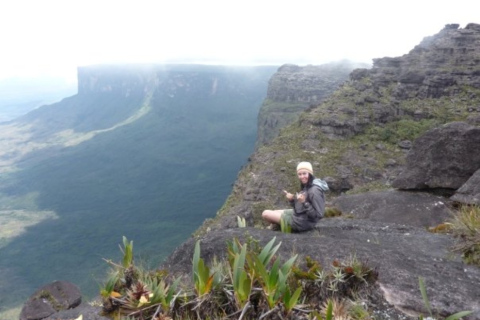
(53, 38)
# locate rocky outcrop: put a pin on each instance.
(444, 157)
(444, 66)
(434, 68)
(358, 140)
(469, 193)
(292, 89)
(59, 300)
(51, 298)
(406, 208)
(400, 253)
(86, 311)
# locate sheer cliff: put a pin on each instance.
(292, 89)
(358, 138)
(131, 154)
(424, 104)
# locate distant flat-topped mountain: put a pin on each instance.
(148, 152)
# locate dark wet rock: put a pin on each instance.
(49, 299)
(444, 157)
(469, 193)
(400, 207)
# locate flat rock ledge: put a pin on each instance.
(399, 252)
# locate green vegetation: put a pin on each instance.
(466, 227)
(285, 226)
(203, 278)
(404, 129)
(155, 179)
(252, 283)
(241, 222)
(423, 291)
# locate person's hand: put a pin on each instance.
(301, 197)
(288, 195)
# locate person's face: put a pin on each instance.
(303, 176)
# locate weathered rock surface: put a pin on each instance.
(437, 82)
(444, 157)
(469, 193)
(87, 312)
(292, 89)
(404, 208)
(51, 298)
(443, 65)
(400, 253)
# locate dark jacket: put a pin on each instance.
(307, 214)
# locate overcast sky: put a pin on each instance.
(53, 37)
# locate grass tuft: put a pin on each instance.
(466, 228)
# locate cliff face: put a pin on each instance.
(135, 152)
(170, 79)
(358, 138)
(292, 89)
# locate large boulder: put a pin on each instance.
(401, 207)
(469, 193)
(444, 157)
(400, 253)
(51, 298)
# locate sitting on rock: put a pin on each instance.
(308, 204)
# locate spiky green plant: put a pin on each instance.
(290, 300)
(127, 253)
(423, 292)
(110, 284)
(241, 222)
(161, 292)
(285, 227)
(273, 280)
(242, 284)
(202, 277)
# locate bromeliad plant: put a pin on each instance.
(203, 279)
(273, 280)
(251, 283)
(251, 268)
(127, 253)
(241, 222)
(242, 283)
(285, 227)
(133, 292)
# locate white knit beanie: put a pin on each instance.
(307, 166)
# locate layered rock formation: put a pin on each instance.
(358, 139)
(444, 67)
(292, 89)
